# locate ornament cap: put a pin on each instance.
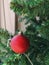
(20, 33)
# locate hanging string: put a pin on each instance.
(4, 14)
(28, 58)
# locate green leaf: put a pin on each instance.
(22, 61)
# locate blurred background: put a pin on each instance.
(8, 19)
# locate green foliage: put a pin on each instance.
(37, 32)
(46, 59)
(24, 6)
(7, 57)
(44, 30)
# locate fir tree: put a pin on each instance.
(36, 12)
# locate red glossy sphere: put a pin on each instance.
(19, 44)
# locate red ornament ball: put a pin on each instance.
(19, 44)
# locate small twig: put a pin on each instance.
(28, 59)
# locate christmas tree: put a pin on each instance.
(36, 12)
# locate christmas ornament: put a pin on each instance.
(19, 43)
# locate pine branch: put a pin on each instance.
(22, 6)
